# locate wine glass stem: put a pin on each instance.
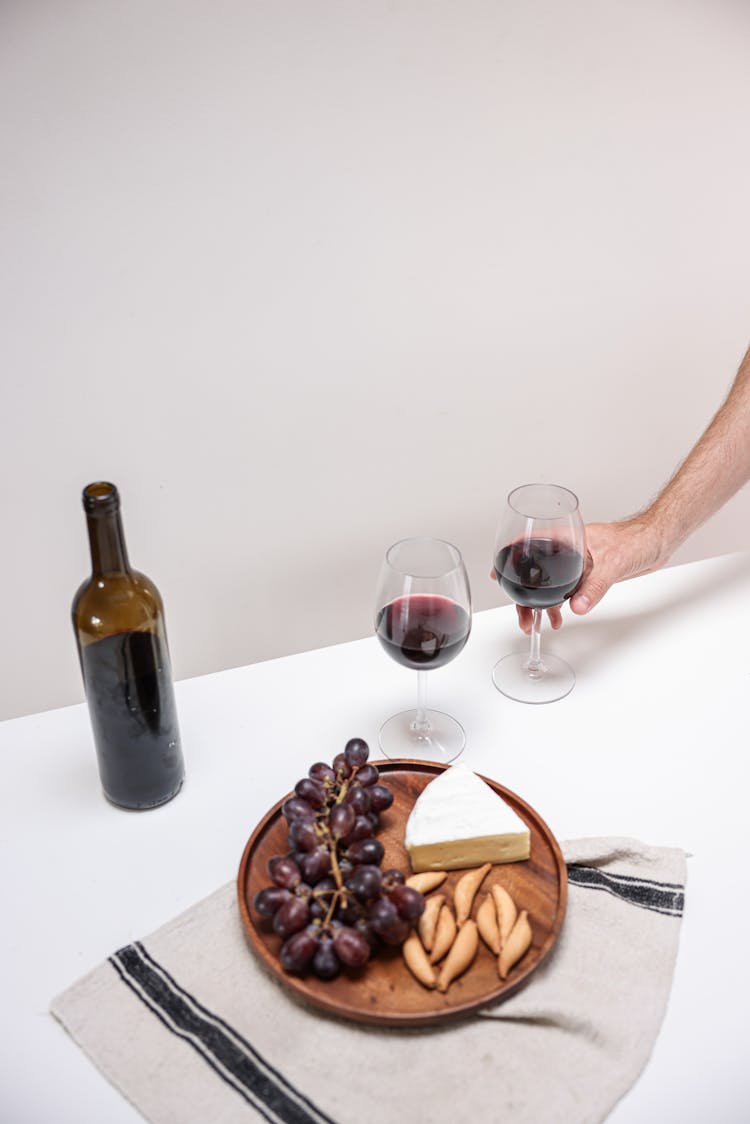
(420, 726)
(534, 665)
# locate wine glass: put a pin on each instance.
(539, 551)
(423, 620)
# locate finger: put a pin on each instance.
(580, 603)
(555, 616)
(589, 593)
(580, 600)
(525, 618)
(493, 575)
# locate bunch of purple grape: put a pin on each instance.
(330, 901)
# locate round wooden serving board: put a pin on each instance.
(384, 992)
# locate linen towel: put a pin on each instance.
(191, 1028)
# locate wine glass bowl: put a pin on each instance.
(539, 557)
(423, 620)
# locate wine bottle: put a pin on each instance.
(118, 618)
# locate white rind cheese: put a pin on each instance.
(459, 821)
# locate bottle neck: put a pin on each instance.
(109, 554)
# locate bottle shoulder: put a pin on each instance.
(107, 603)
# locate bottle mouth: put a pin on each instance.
(101, 497)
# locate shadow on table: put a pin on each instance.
(592, 637)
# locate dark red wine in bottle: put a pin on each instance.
(118, 618)
(538, 573)
(423, 630)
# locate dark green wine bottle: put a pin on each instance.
(118, 618)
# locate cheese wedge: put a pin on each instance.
(459, 821)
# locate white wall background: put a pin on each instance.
(306, 276)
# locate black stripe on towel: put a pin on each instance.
(231, 1057)
(661, 897)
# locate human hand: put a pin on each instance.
(614, 552)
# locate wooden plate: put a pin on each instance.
(384, 991)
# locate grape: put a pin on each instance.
(392, 878)
(364, 927)
(321, 772)
(296, 809)
(408, 902)
(356, 751)
(341, 820)
(381, 914)
(303, 836)
(315, 865)
(325, 962)
(362, 830)
(341, 766)
(367, 775)
(351, 947)
(380, 798)
(394, 934)
(292, 916)
(385, 921)
(366, 851)
(298, 950)
(311, 791)
(284, 871)
(359, 798)
(268, 900)
(348, 911)
(364, 882)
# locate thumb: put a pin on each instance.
(589, 593)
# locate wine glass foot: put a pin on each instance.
(442, 740)
(553, 681)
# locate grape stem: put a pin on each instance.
(335, 869)
(331, 911)
(332, 842)
(345, 785)
(337, 896)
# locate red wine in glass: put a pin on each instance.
(423, 620)
(423, 630)
(539, 573)
(539, 553)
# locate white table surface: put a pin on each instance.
(652, 743)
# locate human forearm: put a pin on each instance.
(716, 467)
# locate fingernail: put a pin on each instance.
(583, 603)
